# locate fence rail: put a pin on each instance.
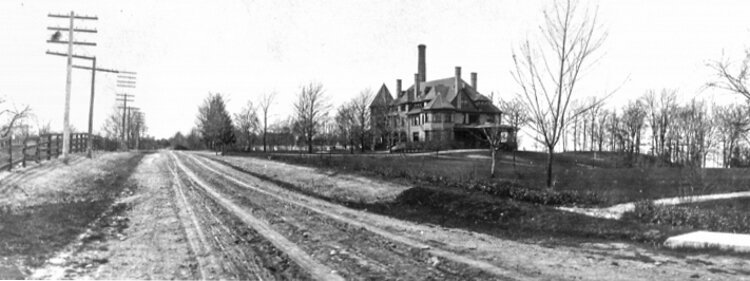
(40, 148)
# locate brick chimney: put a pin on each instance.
(416, 85)
(421, 68)
(474, 81)
(398, 88)
(457, 86)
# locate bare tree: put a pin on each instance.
(136, 126)
(733, 122)
(265, 104)
(359, 106)
(549, 70)
(661, 113)
(247, 124)
(633, 119)
(345, 117)
(10, 117)
(733, 79)
(516, 115)
(496, 138)
(311, 106)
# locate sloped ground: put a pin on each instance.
(46, 207)
(549, 259)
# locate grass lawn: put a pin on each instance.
(580, 171)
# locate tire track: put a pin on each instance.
(317, 270)
(196, 238)
(295, 200)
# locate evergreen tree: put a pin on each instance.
(214, 123)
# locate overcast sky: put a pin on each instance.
(184, 49)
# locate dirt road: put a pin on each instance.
(198, 216)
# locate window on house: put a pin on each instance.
(473, 118)
(448, 117)
(415, 136)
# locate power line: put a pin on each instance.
(71, 30)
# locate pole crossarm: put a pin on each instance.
(126, 86)
(74, 16)
(74, 29)
(74, 43)
(97, 69)
(120, 76)
(128, 72)
(74, 56)
(126, 81)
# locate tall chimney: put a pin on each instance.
(422, 70)
(416, 85)
(398, 88)
(474, 81)
(457, 86)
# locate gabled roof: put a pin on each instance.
(382, 98)
(439, 103)
(441, 94)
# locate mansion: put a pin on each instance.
(447, 109)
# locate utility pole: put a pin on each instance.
(124, 98)
(94, 69)
(68, 80)
(125, 79)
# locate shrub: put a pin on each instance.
(692, 217)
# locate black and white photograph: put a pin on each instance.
(374, 140)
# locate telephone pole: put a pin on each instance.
(125, 79)
(94, 69)
(124, 98)
(68, 80)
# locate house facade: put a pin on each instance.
(444, 110)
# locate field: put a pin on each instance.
(603, 175)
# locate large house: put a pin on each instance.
(447, 109)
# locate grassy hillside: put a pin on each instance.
(603, 173)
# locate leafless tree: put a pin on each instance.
(10, 118)
(496, 138)
(345, 117)
(549, 70)
(733, 122)
(362, 116)
(136, 125)
(265, 104)
(634, 118)
(728, 77)
(516, 115)
(247, 124)
(661, 114)
(309, 109)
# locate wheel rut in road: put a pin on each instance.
(352, 247)
(287, 250)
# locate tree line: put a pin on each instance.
(314, 124)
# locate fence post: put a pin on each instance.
(57, 146)
(23, 152)
(10, 152)
(38, 154)
(49, 147)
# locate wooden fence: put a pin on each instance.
(40, 148)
